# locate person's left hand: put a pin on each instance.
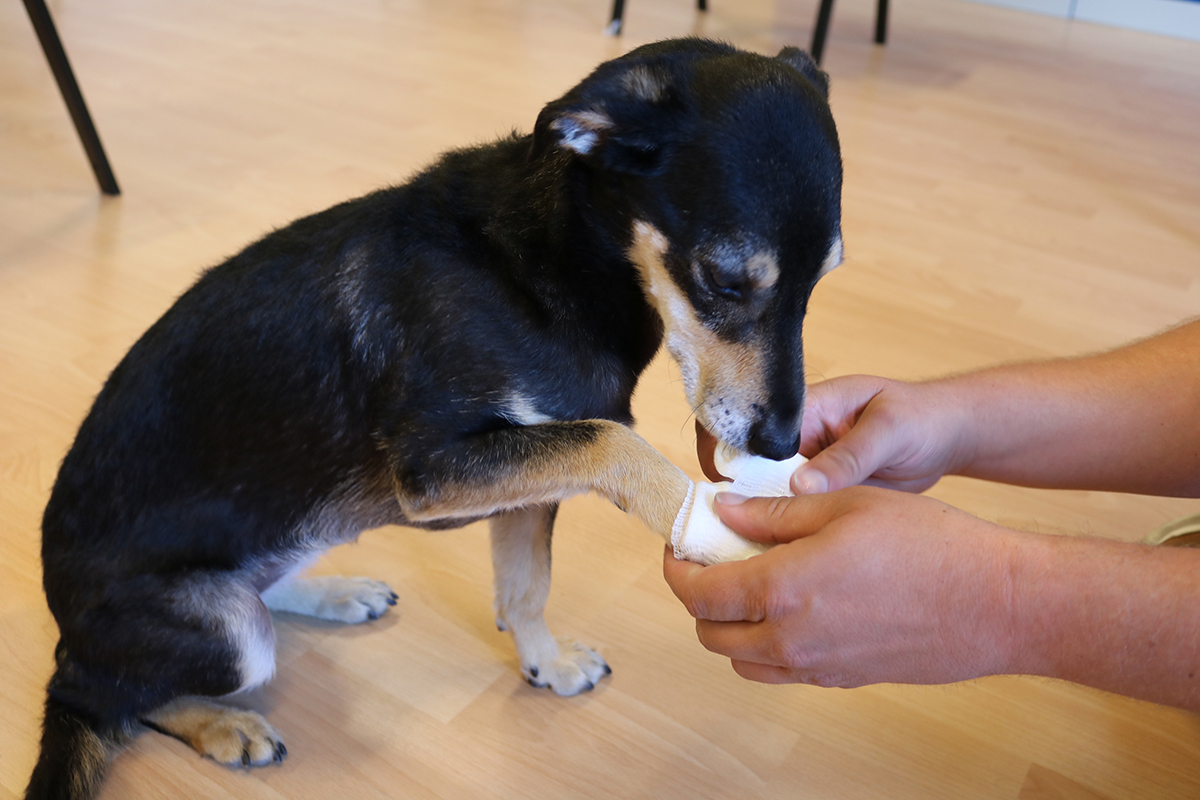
(865, 586)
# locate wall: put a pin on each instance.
(1179, 18)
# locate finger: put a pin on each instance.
(849, 461)
(722, 592)
(740, 641)
(778, 520)
(766, 673)
(832, 407)
(706, 446)
(822, 415)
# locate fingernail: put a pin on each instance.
(809, 481)
(730, 498)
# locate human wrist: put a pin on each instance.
(992, 638)
(1057, 601)
(1027, 560)
(1112, 615)
(956, 435)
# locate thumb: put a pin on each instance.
(774, 520)
(847, 462)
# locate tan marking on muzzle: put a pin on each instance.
(723, 381)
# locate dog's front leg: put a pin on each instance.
(521, 557)
(540, 465)
(517, 476)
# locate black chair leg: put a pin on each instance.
(702, 5)
(881, 15)
(52, 47)
(618, 14)
(824, 12)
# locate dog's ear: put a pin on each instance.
(802, 62)
(625, 117)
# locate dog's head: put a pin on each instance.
(726, 165)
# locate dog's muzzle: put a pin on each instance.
(774, 437)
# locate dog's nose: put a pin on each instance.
(773, 438)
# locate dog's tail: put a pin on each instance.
(76, 750)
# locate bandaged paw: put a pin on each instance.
(699, 535)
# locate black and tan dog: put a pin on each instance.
(460, 347)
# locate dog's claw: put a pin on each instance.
(246, 757)
(533, 672)
(280, 753)
(372, 615)
(607, 669)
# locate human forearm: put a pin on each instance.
(1115, 616)
(1128, 420)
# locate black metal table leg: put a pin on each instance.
(881, 15)
(52, 47)
(618, 13)
(824, 12)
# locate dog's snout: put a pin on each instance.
(774, 438)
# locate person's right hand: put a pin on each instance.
(861, 429)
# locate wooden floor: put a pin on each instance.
(1016, 187)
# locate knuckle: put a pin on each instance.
(823, 679)
(694, 605)
(767, 597)
(847, 461)
(775, 509)
(704, 632)
(786, 653)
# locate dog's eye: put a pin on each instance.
(727, 283)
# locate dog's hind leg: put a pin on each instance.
(230, 736)
(131, 653)
(521, 556)
(334, 597)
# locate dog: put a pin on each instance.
(461, 347)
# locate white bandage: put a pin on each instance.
(698, 535)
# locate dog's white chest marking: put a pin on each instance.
(522, 411)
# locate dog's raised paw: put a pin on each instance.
(239, 738)
(577, 669)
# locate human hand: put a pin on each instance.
(865, 586)
(866, 430)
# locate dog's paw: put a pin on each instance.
(577, 669)
(239, 738)
(331, 597)
(354, 600)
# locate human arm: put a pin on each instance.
(1127, 420)
(867, 586)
